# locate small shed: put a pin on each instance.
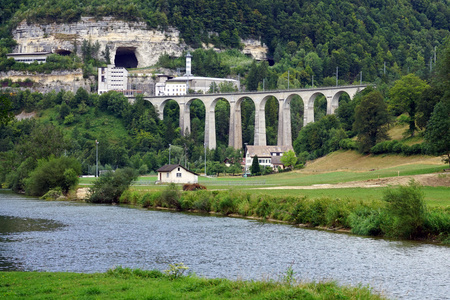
(176, 174)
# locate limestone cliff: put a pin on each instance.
(146, 44)
(56, 80)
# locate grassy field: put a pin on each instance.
(338, 167)
(137, 284)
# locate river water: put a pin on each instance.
(38, 235)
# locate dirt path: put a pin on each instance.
(442, 179)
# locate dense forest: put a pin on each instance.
(402, 47)
(354, 35)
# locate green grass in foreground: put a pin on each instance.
(137, 284)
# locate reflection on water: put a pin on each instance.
(10, 225)
(95, 238)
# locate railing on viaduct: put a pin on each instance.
(284, 98)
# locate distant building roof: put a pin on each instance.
(266, 151)
(276, 161)
(188, 78)
(33, 53)
(170, 168)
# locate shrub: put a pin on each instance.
(348, 144)
(193, 187)
(398, 148)
(317, 211)
(379, 148)
(405, 211)
(171, 196)
(337, 213)
(415, 149)
(263, 209)
(147, 200)
(109, 187)
(437, 223)
(390, 145)
(202, 202)
(300, 212)
(226, 205)
(365, 221)
(53, 194)
(129, 197)
(59, 172)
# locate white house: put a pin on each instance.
(176, 174)
(268, 156)
(112, 78)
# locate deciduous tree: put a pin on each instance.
(371, 117)
(405, 97)
(289, 159)
(438, 128)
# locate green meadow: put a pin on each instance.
(123, 283)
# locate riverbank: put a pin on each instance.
(123, 283)
(401, 213)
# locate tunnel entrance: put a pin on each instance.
(126, 58)
(63, 52)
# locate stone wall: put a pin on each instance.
(56, 80)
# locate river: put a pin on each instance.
(38, 235)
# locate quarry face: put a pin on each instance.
(131, 44)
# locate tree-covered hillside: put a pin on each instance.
(354, 35)
(403, 47)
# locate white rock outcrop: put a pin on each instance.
(147, 44)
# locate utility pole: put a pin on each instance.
(185, 156)
(245, 160)
(96, 158)
(205, 159)
(312, 81)
(288, 79)
(239, 82)
(169, 152)
(360, 78)
(337, 75)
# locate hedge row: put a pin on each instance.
(396, 147)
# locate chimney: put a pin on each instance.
(188, 64)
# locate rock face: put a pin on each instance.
(129, 37)
(56, 80)
(147, 45)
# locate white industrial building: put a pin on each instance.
(29, 58)
(112, 78)
(181, 85)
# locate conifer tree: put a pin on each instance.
(255, 169)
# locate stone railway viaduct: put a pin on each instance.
(284, 98)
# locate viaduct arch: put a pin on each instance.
(284, 98)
